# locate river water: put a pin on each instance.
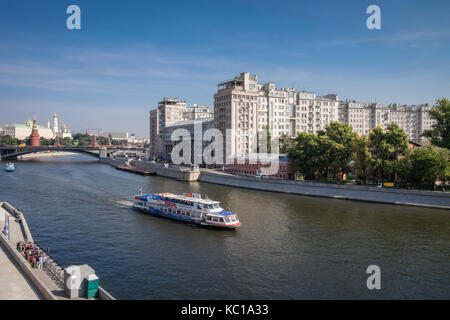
(289, 246)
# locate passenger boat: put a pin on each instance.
(10, 167)
(189, 207)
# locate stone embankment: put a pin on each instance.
(45, 283)
(440, 200)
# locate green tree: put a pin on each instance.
(7, 140)
(267, 142)
(285, 143)
(404, 166)
(429, 164)
(268, 139)
(362, 157)
(440, 134)
(310, 154)
(46, 142)
(385, 148)
(341, 137)
(66, 141)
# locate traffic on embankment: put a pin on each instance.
(421, 198)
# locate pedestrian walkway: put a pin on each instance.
(22, 279)
(14, 285)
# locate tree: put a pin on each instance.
(362, 156)
(267, 142)
(310, 154)
(440, 134)
(404, 166)
(429, 164)
(46, 142)
(285, 143)
(385, 148)
(342, 137)
(66, 141)
(268, 139)
(7, 140)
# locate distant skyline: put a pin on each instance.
(129, 55)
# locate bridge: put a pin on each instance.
(11, 153)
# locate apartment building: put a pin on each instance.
(248, 108)
(364, 117)
(196, 128)
(169, 112)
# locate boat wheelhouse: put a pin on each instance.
(189, 207)
(10, 167)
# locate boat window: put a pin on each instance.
(227, 220)
(221, 220)
(179, 211)
(216, 219)
(208, 218)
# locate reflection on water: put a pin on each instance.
(289, 247)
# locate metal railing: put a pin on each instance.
(52, 268)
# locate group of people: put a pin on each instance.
(34, 255)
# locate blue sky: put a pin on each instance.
(130, 54)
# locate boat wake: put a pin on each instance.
(122, 203)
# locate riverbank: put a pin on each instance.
(431, 199)
(46, 154)
(30, 283)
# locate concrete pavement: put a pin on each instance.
(13, 283)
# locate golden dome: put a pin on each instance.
(55, 116)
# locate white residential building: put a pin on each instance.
(246, 107)
(169, 112)
(364, 117)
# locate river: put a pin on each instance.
(289, 246)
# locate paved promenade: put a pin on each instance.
(18, 280)
(13, 283)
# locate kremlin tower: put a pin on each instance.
(55, 124)
(34, 135)
(94, 143)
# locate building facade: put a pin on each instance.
(196, 129)
(364, 117)
(248, 108)
(254, 165)
(23, 131)
(169, 112)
